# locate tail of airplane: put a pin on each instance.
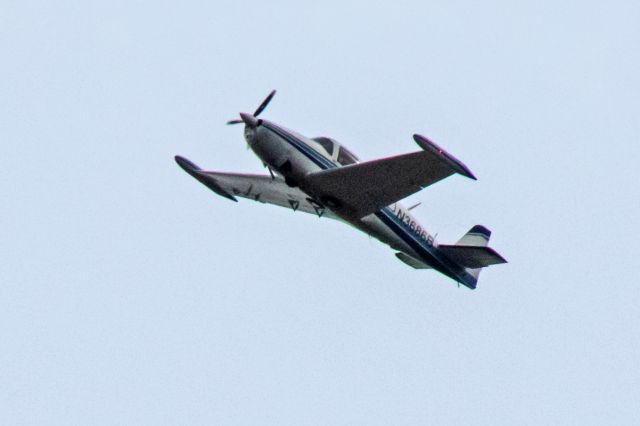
(476, 236)
(471, 251)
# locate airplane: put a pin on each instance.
(322, 177)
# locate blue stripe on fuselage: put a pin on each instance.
(428, 252)
(313, 155)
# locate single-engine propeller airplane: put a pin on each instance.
(320, 176)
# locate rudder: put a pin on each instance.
(478, 236)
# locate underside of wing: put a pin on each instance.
(364, 188)
(261, 188)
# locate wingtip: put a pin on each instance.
(428, 145)
(469, 174)
(208, 181)
(186, 165)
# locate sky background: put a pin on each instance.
(131, 294)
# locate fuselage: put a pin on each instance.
(295, 156)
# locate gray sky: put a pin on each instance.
(133, 295)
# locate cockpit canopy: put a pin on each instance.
(327, 143)
(344, 157)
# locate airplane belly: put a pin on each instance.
(373, 226)
(269, 149)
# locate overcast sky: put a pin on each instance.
(131, 294)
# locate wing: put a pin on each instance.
(261, 188)
(361, 189)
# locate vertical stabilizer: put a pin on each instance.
(477, 236)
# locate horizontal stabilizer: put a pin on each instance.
(411, 261)
(471, 256)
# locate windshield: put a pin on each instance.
(326, 143)
(345, 157)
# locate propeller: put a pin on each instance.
(250, 120)
(264, 103)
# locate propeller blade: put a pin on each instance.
(264, 103)
(234, 121)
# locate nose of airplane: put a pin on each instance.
(249, 119)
